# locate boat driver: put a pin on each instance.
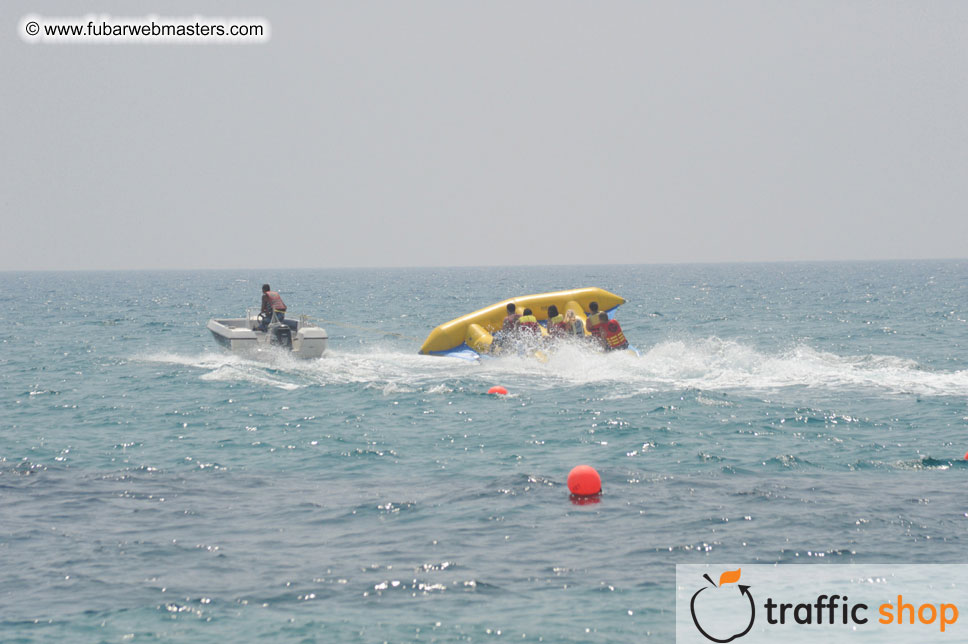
(272, 307)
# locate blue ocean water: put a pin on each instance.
(153, 488)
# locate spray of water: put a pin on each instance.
(708, 364)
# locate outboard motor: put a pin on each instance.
(281, 336)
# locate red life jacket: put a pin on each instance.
(274, 301)
(529, 323)
(614, 336)
(556, 325)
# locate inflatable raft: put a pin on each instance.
(471, 335)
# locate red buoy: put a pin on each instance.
(583, 480)
(499, 390)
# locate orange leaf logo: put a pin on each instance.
(729, 577)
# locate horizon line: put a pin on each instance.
(524, 265)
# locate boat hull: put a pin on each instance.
(242, 336)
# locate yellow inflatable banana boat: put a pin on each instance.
(471, 335)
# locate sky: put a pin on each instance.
(489, 133)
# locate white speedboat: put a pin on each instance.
(242, 335)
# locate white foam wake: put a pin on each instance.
(226, 367)
(712, 363)
(707, 363)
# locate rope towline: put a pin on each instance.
(365, 328)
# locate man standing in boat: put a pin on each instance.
(272, 306)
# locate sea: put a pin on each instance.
(156, 489)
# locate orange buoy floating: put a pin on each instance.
(499, 390)
(583, 480)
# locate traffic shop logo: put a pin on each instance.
(711, 603)
(726, 611)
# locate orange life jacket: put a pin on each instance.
(614, 336)
(273, 301)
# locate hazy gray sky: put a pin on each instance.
(518, 132)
